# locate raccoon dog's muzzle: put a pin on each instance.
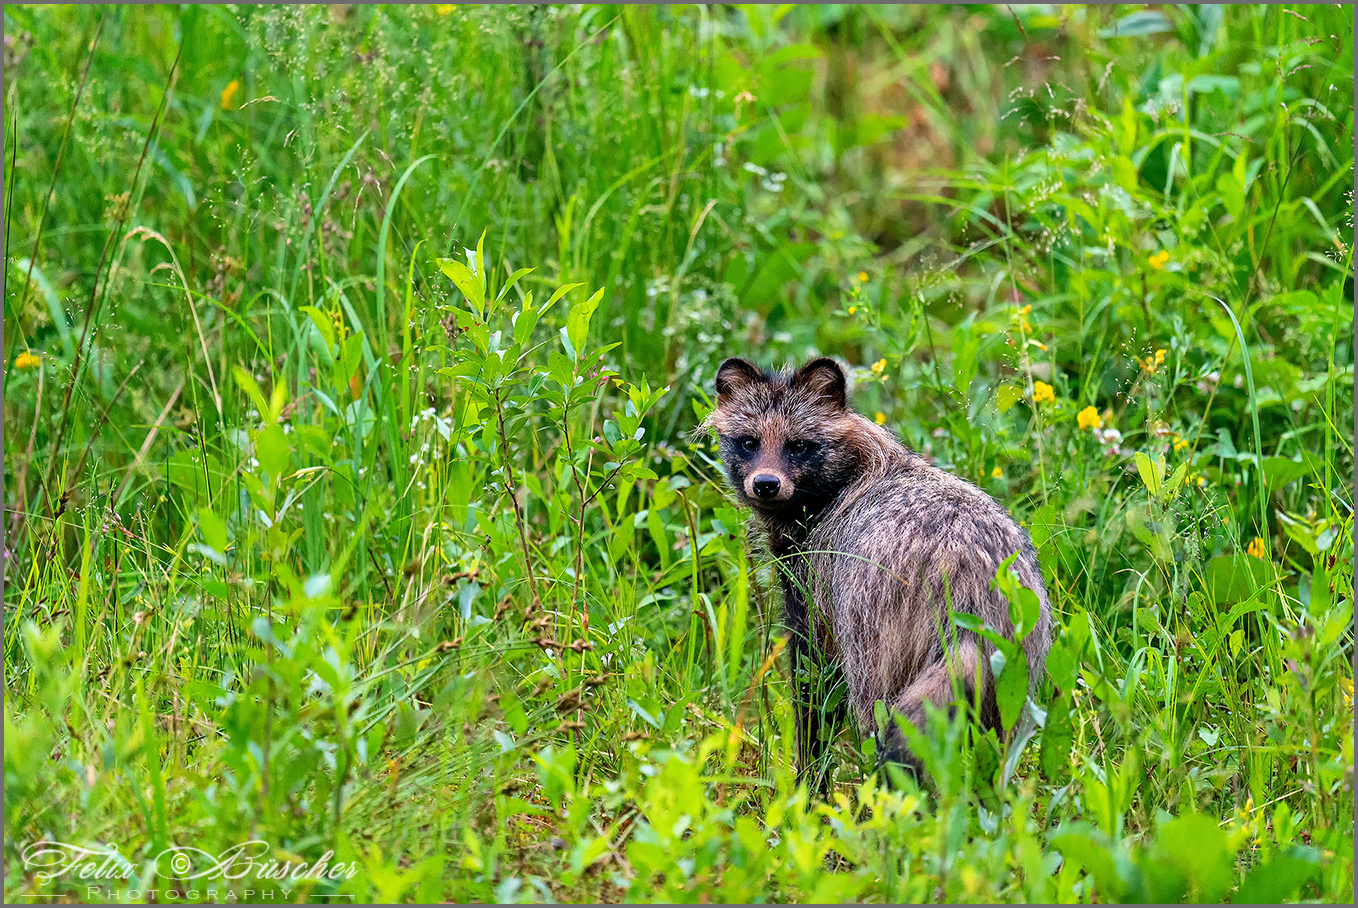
(767, 485)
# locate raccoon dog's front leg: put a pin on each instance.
(960, 674)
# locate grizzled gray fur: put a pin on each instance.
(864, 532)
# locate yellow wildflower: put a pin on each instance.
(1026, 328)
(1180, 443)
(444, 9)
(1258, 548)
(878, 366)
(1200, 480)
(853, 309)
(1089, 418)
(1043, 392)
(1151, 363)
(1026, 309)
(1041, 346)
(863, 276)
(1346, 688)
(879, 418)
(997, 473)
(27, 360)
(1159, 260)
(229, 95)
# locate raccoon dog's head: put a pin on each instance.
(788, 440)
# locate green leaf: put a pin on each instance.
(1146, 22)
(970, 622)
(986, 765)
(250, 387)
(213, 529)
(1279, 471)
(1006, 396)
(1152, 472)
(1229, 579)
(1011, 688)
(1276, 881)
(191, 470)
(315, 438)
(513, 712)
(1175, 479)
(1197, 846)
(1024, 608)
(524, 323)
(1058, 736)
(560, 292)
(513, 279)
(879, 714)
(1320, 589)
(561, 369)
(472, 285)
(1061, 665)
(323, 324)
(577, 322)
(273, 452)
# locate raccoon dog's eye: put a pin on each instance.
(747, 444)
(799, 446)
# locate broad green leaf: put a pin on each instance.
(323, 324)
(561, 369)
(1279, 471)
(1275, 882)
(986, 765)
(1011, 688)
(273, 452)
(213, 529)
(315, 438)
(1058, 735)
(1229, 579)
(1176, 479)
(1061, 665)
(247, 383)
(1196, 845)
(524, 323)
(196, 473)
(577, 322)
(1145, 22)
(1320, 589)
(1006, 396)
(1086, 850)
(472, 286)
(1152, 472)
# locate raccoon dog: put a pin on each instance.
(866, 534)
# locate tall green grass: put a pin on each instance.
(352, 359)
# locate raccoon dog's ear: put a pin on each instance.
(735, 374)
(824, 379)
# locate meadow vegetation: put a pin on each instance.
(352, 361)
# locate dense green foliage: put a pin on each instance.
(352, 360)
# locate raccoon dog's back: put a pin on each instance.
(877, 561)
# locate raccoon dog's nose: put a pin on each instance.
(766, 486)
